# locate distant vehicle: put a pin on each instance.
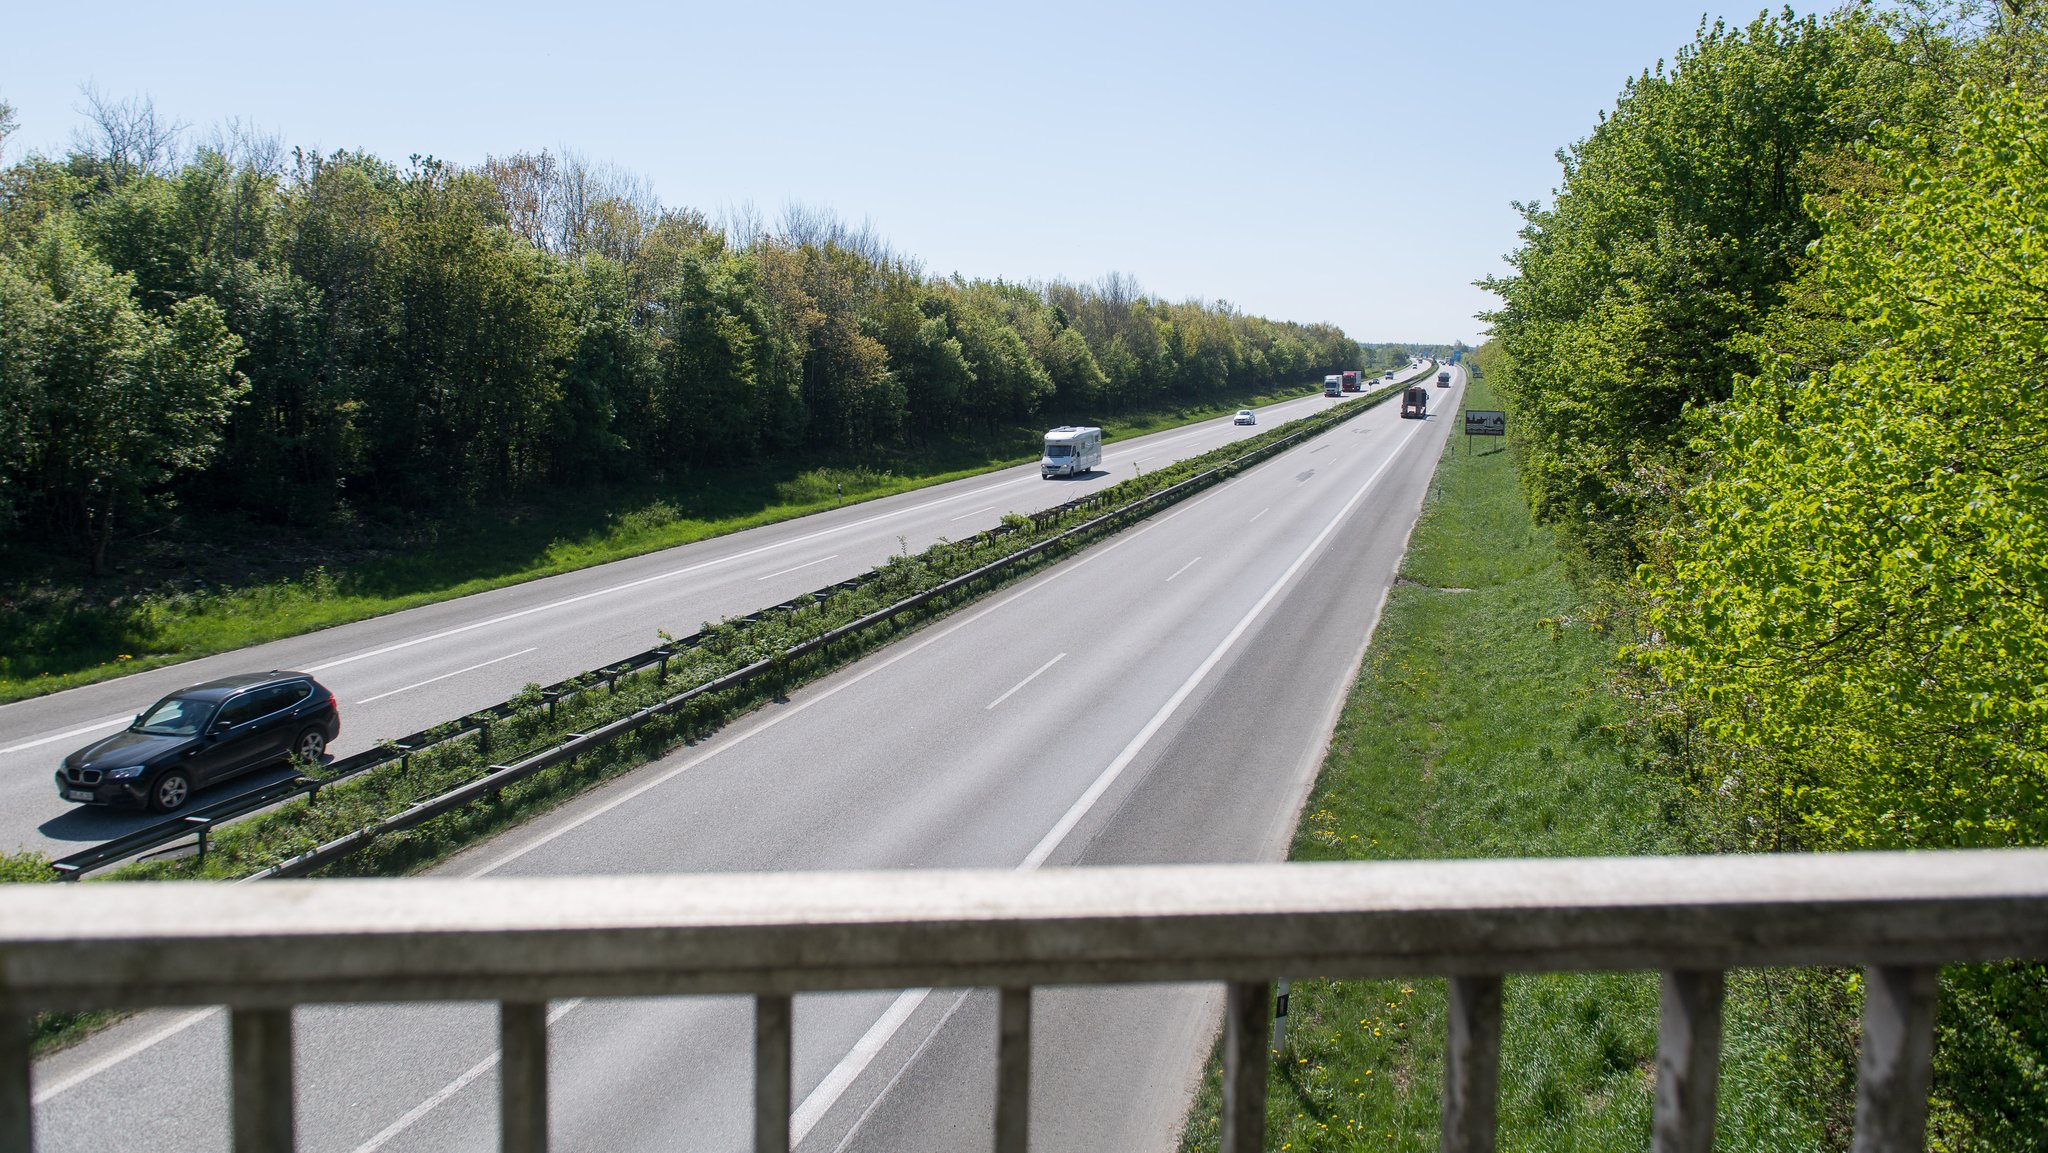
(1350, 380)
(1070, 450)
(1333, 386)
(1415, 402)
(1443, 379)
(200, 735)
(1245, 416)
(1390, 374)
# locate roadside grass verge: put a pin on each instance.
(215, 584)
(1481, 725)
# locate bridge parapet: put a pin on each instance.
(261, 949)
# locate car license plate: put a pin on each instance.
(78, 794)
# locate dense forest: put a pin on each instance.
(287, 334)
(1775, 350)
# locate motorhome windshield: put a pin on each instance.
(1059, 450)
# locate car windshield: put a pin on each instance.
(1058, 450)
(175, 717)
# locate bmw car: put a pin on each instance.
(203, 735)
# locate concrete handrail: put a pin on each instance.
(260, 949)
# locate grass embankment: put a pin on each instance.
(1481, 726)
(211, 584)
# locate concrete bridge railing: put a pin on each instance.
(259, 950)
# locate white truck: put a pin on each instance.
(1070, 450)
(1333, 385)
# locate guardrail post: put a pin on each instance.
(1471, 1064)
(260, 1071)
(1896, 1067)
(1244, 1067)
(523, 1076)
(17, 1112)
(1688, 1062)
(1013, 1071)
(771, 1072)
(1280, 1021)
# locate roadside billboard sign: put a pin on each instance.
(1485, 422)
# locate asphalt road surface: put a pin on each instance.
(1165, 696)
(407, 671)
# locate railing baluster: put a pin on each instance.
(1013, 1071)
(523, 1076)
(260, 1066)
(1245, 1057)
(1688, 1062)
(17, 1113)
(1471, 1064)
(1895, 1069)
(772, 1017)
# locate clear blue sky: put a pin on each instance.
(1348, 162)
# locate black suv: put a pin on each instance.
(201, 735)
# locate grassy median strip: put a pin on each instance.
(53, 639)
(1481, 726)
(781, 646)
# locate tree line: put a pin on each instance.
(1775, 351)
(285, 333)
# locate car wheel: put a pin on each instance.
(310, 745)
(170, 792)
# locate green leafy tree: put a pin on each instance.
(1855, 599)
(127, 400)
(1679, 220)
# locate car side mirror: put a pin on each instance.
(219, 728)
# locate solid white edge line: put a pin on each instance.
(852, 1131)
(856, 1061)
(661, 576)
(67, 734)
(1051, 841)
(65, 1084)
(385, 1135)
(581, 597)
(1027, 680)
(798, 707)
(445, 676)
(687, 569)
(1059, 572)
(797, 568)
(1080, 807)
(821, 1099)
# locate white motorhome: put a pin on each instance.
(1070, 451)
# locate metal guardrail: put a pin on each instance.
(194, 826)
(260, 950)
(503, 776)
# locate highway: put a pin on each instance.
(403, 672)
(1165, 696)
